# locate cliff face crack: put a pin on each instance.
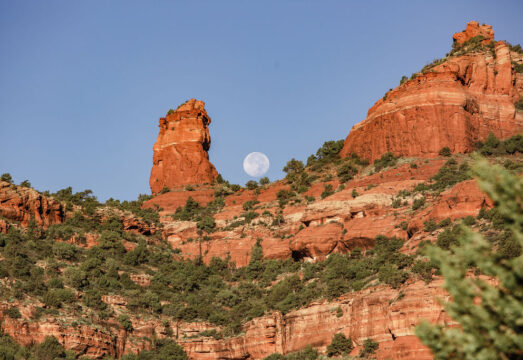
(392, 334)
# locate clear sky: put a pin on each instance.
(83, 83)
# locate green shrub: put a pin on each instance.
(189, 187)
(494, 146)
(50, 349)
(445, 151)
(125, 322)
(418, 203)
(328, 190)
(354, 193)
(284, 195)
(13, 313)
(388, 159)
(25, 183)
(306, 354)
(249, 205)
(391, 275)
(515, 143)
(250, 216)
(423, 269)
(206, 224)
(55, 298)
(396, 203)
(516, 48)
(164, 190)
(430, 225)
(404, 225)
(449, 237)
(469, 220)
(6, 177)
(346, 172)
(369, 347)
(444, 223)
(235, 187)
(293, 166)
(449, 175)
(518, 67)
(251, 185)
(340, 345)
(264, 181)
(65, 251)
(93, 299)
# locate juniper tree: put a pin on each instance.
(489, 313)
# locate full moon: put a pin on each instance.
(256, 164)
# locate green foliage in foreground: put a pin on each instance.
(489, 316)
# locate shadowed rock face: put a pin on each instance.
(454, 104)
(180, 152)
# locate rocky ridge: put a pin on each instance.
(455, 102)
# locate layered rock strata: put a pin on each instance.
(181, 149)
(21, 204)
(378, 313)
(455, 104)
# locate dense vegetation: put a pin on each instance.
(49, 349)
(40, 265)
(54, 271)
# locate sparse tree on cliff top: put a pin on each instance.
(489, 313)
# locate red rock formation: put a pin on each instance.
(464, 199)
(20, 204)
(454, 104)
(82, 339)
(180, 152)
(378, 313)
(474, 29)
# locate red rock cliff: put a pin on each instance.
(474, 29)
(454, 104)
(180, 152)
(19, 204)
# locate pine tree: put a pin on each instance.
(489, 313)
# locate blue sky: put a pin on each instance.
(83, 84)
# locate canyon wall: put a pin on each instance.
(385, 315)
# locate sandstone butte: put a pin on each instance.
(181, 149)
(461, 98)
(455, 104)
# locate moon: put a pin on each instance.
(256, 164)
